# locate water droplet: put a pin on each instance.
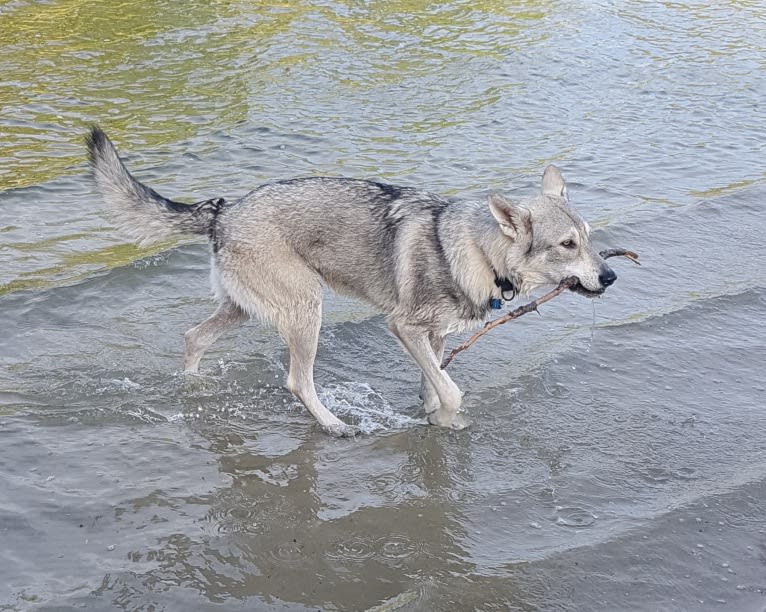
(289, 552)
(356, 548)
(574, 517)
(398, 547)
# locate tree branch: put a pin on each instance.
(567, 283)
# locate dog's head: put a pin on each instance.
(544, 241)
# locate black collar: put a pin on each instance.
(506, 286)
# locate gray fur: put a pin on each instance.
(140, 212)
(427, 262)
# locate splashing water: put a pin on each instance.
(366, 408)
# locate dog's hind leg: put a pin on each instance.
(416, 341)
(199, 338)
(299, 327)
(427, 392)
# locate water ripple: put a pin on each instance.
(355, 548)
(574, 517)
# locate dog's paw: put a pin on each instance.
(451, 420)
(342, 430)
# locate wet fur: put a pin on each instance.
(428, 262)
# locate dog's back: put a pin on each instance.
(362, 238)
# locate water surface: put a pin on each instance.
(617, 458)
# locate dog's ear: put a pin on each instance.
(513, 220)
(553, 182)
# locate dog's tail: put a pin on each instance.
(140, 212)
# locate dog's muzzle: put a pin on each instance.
(579, 288)
(606, 278)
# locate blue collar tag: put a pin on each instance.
(495, 303)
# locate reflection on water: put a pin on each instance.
(616, 456)
(201, 66)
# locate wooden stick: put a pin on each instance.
(620, 253)
(567, 283)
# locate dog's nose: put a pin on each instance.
(607, 277)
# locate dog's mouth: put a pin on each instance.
(578, 288)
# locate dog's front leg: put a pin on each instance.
(416, 341)
(427, 391)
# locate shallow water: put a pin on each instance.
(617, 458)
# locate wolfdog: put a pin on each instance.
(434, 266)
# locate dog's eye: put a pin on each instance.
(568, 244)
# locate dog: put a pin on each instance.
(433, 265)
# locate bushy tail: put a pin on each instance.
(141, 213)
